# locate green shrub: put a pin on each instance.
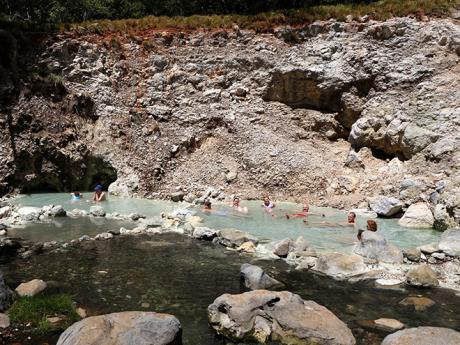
(379, 10)
(35, 310)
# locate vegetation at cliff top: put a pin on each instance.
(101, 16)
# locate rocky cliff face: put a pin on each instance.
(333, 112)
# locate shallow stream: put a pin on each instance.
(177, 275)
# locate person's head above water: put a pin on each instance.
(371, 225)
(351, 217)
(305, 208)
(98, 188)
(207, 204)
(267, 201)
(236, 201)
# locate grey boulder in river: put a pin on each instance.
(129, 327)
(265, 316)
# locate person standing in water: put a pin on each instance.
(371, 226)
(99, 195)
(268, 205)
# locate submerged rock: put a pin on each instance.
(253, 277)
(422, 276)
(234, 238)
(417, 216)
(76, 212)
(9, 247)
(450, 242)
(283, 317)
(419, 303)
(375, 246)
(104, 236)
(129, 327)
(31, 288)
(6, 295)
(151, 222)
(385, 206)
(423, 336)
(384, 324)
(339, 266)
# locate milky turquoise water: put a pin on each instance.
(326, 233)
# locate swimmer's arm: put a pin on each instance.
(296, 215)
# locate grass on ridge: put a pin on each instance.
(35, 310)
(380, 10)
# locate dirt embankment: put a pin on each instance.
(332, 112)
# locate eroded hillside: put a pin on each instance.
(332, 112)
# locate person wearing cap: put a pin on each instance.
(99, 195)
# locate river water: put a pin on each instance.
(177, 275)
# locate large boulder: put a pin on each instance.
(29, 214)
(6, 295)
(283, 317)
(339, 266)
(253, 277)
(124, 186)
(422, 276)
(423, 336)
(234, 238)
(450, 242)
(129, 327)
(385, 206)
(417, 215)
(375, 246)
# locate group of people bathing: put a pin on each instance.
(98, 196)
(268, 207)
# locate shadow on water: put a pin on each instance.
(177, 275)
